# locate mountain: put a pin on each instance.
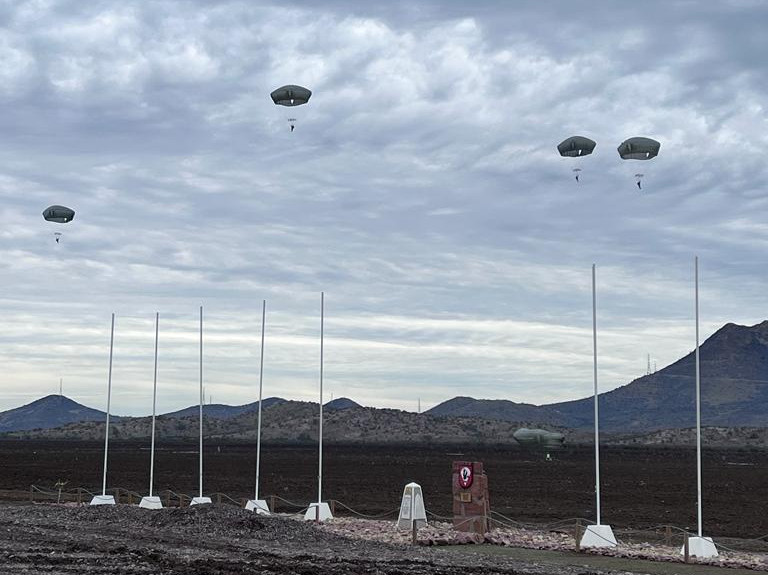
(222, 411)
(47, 412)
(341, 403)
(502, 409)
(734, 392)
(296, 422)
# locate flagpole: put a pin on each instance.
(201, 401)
(320, 455)
(109, 401)
(597, 411)
(154, 409)
(261, 380)
(698, 401)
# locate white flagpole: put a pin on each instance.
(261, 380)
(597, 411)
(698, 399)
(320, 456)
(201, 401)
(154, 409)
(109, 401)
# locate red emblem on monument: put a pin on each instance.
(466, 475)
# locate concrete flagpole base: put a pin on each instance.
(598, 536)
(701, 547)
(258, 505)
(152, 502)
(103, 500)
(316, 509)
(200, 500)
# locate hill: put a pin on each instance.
(340, 403)
(47, 412)
(222, 411)
(734, 383)
(296, 422)
(734, 392)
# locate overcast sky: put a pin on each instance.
(421, 191)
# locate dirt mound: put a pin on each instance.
(209, 539)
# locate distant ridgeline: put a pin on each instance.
(734, 385)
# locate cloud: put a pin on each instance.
(421, 191)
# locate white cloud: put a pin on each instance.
(421, 190)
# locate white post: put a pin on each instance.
(699, 546)
(201, 401)
(698, 399)
(261, 381)
(200, 499)
(109, 401)
(320, 433)
(597, 411)
(105, 499)
(154, 409)
(150, 501)
(597, 535)
(320, 511)
(256, 504)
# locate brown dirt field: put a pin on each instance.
(641, 487)
(213, 540)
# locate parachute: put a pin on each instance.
(59, 215)
(291, 96)
(639, 149)
(576, 147)
(539, 439)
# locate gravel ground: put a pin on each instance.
(216, 539)
(442, 534)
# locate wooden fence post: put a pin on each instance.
(272, 503)
(668, 535)
(686, 549)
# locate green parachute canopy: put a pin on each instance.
(59, 214)
(539, 439)
(639, 149)
(291, 95)
(576, 146)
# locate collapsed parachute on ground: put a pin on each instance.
(58, 214)
(539, 439)
(576, 147)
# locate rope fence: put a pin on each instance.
(666, 535)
